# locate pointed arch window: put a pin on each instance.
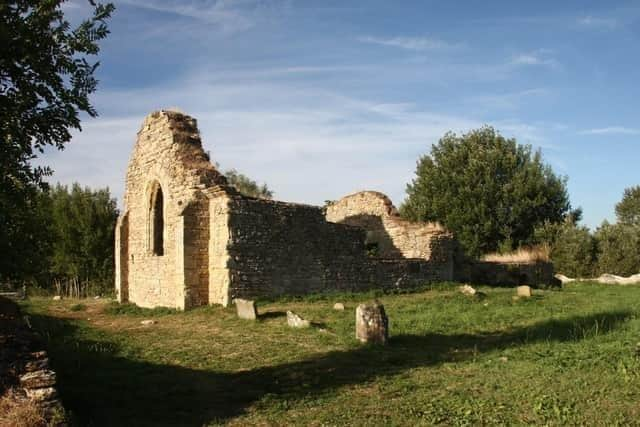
(156, 220)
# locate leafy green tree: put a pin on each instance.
(45, 82)
(628, 209)
(247, 186)
(489, 190)
(618, 249)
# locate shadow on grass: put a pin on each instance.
(101, 388)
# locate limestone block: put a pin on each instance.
(38, 379)
(246, 309)
(523, 291)
(467, 290)
(295, 321)
(372, 325)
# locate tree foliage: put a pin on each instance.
(83, 224)
(45, 82)
(618, 249)
(489, 190)
(572, 248)
(628, 209)
(247, 186)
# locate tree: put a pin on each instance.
(247, 186)
(628, 209)
(618, 249)
(45, 83)
(83, 223)
(489, 190)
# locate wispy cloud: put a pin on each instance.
(409, 43)
(597, 22)
(611, 130)
(538, 57)
(228, 16)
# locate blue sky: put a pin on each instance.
(321, 99)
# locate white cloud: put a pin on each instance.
(409, 43)
(308, 144)
(539, 57)
(597, 23)
(611, 130)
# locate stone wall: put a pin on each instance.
(24, 365)
(278, 248)
(392, 236)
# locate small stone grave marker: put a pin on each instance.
(246, 309)
(372, 324)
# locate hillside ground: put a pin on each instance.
(568, 356)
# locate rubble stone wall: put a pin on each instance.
(393, 236)
(278, 248)
(24, 365)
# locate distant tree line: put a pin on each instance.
(611, 248)
(71, 240)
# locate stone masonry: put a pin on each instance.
(186, 238)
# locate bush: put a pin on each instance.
(572, 248)
(618, 248)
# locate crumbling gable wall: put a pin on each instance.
(163, 233)
(387, 232)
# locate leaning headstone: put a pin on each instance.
(523, 291)
(296, 321)
(372, 325)
(246, 309)
(57, 298)
(467, 290)
(338, 306)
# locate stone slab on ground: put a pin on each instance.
(523, 291)
(372, 324)
(295, 321)
(246, 309)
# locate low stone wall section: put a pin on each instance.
(24, 365)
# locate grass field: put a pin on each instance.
(567, 356)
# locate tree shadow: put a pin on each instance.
(102, 388)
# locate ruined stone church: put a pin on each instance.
(187, 238)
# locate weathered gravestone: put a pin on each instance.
(246, 309)
(296, 321)
(372, 325)
(523, 291)
(338, 306)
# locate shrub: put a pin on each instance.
(618, 248)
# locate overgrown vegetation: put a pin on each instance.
(248, 186)
(562, 357)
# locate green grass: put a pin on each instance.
(566, 356)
